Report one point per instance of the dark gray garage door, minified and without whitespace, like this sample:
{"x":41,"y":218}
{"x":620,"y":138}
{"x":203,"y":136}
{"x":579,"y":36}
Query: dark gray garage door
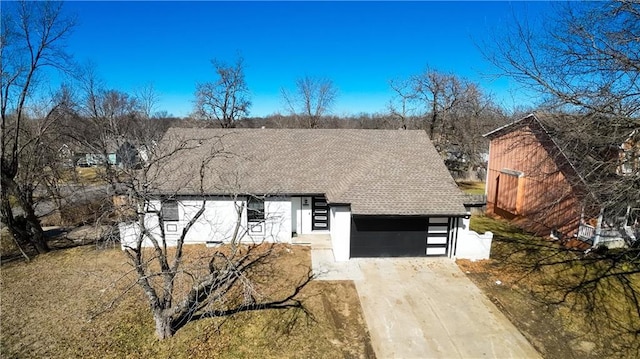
{"x":387,"y":236}
{"x":381,"y":236}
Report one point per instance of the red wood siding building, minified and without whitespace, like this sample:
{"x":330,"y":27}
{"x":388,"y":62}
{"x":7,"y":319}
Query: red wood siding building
{"x":530,"y":181}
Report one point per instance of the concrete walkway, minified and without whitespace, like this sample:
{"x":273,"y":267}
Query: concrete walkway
{"x":425,"y":308}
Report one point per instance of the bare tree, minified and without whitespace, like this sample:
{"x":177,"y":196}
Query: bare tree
{"x":111,"y":124}
{"x":147,"y":99}
{"x":31,"y":41}
{"x":439,"y":93}
{"x":455,"y":113}
{"x":181,"y":289}
{"x":582,"y":61}
{"x":226,"y":100}
{"x":401,"y":107}
{"x":311,"y":100}
{"x":582,"y":57}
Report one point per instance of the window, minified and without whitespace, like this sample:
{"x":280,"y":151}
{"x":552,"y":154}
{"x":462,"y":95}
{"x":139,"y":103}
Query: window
{"x":255,"y":209}
{"x":170,"y":211}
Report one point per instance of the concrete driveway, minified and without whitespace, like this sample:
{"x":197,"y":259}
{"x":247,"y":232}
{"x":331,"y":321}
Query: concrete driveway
{"x":426,"y":308}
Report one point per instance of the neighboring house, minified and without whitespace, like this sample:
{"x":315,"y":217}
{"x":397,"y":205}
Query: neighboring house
{"x":66,"y":155}
{"x":376,"y":193}
{"x":629,"y":155}
{"x":550,"y":182}
{"x":122,"y":153}
{"x":129,"y":154}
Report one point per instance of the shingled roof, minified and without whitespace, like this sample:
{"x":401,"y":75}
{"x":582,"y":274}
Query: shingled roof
{"x":390,"y":172}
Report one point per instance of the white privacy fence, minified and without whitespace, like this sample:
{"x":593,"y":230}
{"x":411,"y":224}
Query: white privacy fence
{"x":474,"y":246}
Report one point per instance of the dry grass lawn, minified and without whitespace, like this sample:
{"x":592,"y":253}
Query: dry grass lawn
{"x":545,"y":290}
{"x":87,"y":175}
{"x":48,"y":308}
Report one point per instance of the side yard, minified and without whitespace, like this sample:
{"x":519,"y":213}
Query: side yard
{"x":49,"y":309}
{"x":471,"y":187}
{"x":567,"y":303}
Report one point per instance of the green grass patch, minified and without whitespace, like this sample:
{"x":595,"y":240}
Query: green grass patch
{"x":471,"y":187}
{"x":568,"y":303}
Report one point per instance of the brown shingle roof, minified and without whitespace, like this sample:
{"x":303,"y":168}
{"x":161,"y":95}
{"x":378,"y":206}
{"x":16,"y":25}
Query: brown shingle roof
{"x":389,"y":172}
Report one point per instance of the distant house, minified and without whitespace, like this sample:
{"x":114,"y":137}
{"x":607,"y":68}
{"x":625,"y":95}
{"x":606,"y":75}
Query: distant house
{"x":121,"y":152}
{"x":129,"y":154}
{"x":375,"y":193}
{"x":66,"y":155}
{"x":551,"y":182}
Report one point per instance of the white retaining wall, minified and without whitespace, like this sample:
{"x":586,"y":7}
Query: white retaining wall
{"x":472,"y":245}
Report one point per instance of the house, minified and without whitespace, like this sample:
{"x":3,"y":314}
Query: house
{"x":65,"y":154}
{"x":555,"y":182}
{"x":375,"y":193}
{"x":126,"y":153}
{"x":116,"y":152}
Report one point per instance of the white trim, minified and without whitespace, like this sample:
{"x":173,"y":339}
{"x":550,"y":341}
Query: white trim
{"x":511,"y":172}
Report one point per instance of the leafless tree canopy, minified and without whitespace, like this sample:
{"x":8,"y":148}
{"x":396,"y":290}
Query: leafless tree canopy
{"x":179,"y":288}
{"x":32,"y":40}
{"x":226,"y":100}
{"x":583,"y":60}
{"x":583,"y":57}
{"x":311,"y":100}
{"x":454,"y":111}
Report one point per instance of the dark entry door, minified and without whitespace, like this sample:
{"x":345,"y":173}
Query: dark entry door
{"x":319,"y":213}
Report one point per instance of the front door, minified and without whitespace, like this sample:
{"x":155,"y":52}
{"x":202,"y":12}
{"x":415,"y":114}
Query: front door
{"x":319,"y":214}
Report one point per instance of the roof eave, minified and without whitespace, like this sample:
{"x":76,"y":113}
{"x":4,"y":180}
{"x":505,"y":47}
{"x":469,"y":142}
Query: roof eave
{"x":508,"y":127}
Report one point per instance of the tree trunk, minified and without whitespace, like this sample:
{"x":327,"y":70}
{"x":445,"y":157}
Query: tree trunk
{"x":164,"y":329}
{"x":34,"y":229}
{"x":27,"y":230}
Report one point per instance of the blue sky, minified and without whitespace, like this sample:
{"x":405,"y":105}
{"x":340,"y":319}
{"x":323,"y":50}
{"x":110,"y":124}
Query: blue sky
{"x":359,"y":45}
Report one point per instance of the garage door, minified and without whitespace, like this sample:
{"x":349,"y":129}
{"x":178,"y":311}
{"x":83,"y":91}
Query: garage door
{"x":378,"y":236}
{"x":386,"y":236}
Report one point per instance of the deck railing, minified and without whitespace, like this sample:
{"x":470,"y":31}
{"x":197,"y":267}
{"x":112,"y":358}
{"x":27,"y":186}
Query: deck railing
{"x":607,"y":235}
{"x":586,"y":232}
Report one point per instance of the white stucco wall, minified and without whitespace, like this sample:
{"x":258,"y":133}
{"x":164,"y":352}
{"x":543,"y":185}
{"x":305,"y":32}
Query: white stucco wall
{"x":340,"y":232}
{"x":129,"y":234}
{"x":278,"y":219}
{"x":218,"y":222}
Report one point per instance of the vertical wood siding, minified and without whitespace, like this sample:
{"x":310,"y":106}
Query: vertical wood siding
{"x":542,"y":199}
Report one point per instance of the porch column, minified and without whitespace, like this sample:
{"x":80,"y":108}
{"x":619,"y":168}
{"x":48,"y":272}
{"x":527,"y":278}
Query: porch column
{"x":598,"y":228}
{"x":341,"y":232}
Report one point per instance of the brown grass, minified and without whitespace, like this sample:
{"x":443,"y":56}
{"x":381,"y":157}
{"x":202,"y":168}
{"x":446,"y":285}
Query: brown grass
{"x":48,"y":308}
{"x":536,"y":276}
{"x":85,"y":175}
